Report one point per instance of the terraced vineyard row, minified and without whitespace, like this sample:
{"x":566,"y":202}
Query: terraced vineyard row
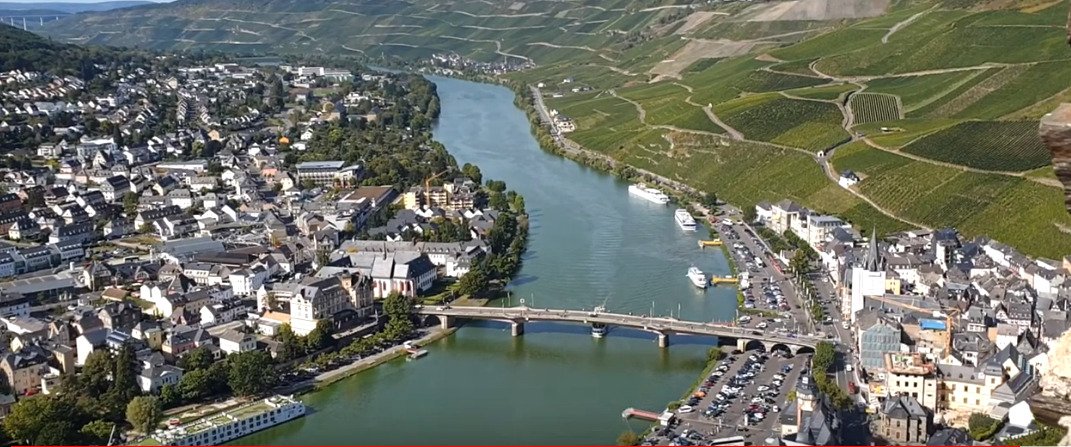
{"x":977,"y":204}
{"x":708,"y":163}
{"x":871,"y":107}
{"x":809,"y":125}
{"x":989,"y":145}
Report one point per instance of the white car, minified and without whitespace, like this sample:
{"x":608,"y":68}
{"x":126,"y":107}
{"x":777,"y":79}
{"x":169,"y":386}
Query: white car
{"x":685,"y":409}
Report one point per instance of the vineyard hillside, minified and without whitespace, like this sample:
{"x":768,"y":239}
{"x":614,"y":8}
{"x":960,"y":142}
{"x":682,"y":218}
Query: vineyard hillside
{"x":752,"y":100}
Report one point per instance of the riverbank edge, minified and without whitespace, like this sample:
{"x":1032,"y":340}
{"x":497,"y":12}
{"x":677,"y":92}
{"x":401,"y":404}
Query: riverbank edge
{"x":394,"y":352}
{"x":680,"y":192}
{"x":379,"y":359}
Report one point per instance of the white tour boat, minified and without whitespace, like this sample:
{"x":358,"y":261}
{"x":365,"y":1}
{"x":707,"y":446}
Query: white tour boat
{"x":684,"y":219}
{"x":699,"y":279}
{"x":651,"y":194}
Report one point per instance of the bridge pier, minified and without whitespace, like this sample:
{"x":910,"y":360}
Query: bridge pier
{"x":517,"y":328}
{"x":663,"y":340}
{"x":741,"y":344}
{"x":446,"y":322}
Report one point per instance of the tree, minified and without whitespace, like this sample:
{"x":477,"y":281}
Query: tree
{"x":197,"y":358}
{"x":498,"y":201}
{"x":250,"y":373}
{"x":47,"y":420}
{"x":170,"y":395}
{"x":981,"y":426}
{"x":143,"y":412}
{"x":397,"y":305}
{"x":97,"y":372}
{"x":271,"y":301}
{"x":130,"y":203}
{"x":628,"y":437}
{"x":193,"y":385}
{"x":398,"y":328}
{"x":800,"y":263}
{"x":472,"y":172}
{"x":97,"y":432}
{"x":473,"y":282}
{"x":124,"y":383}
{"x":323,"y":257}
{"x":750,"y":215}
{"x":319,"y":337}
{"x":710,"y":200}
{"x":823,"y":358}
{"x":290,"y":344}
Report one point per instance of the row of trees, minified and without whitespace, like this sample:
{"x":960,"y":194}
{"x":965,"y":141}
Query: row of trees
{"x":293,"y":346}
{"x":399,"y":312}
{"x":106,"y":395}
{"x":822,"y":363}
{"x":89,"y":405}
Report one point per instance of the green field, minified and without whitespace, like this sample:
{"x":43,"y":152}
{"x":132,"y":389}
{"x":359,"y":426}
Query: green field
{"x":947,"y":39}
{"x":989,"y":145}
{"x":802,"y":67}
{"x":1035,"y":84}
{"x":714,"y":165}
{"x":874,"y":107}
{"x":919,"y":91}
{"x":764,"y":81}
{"x":823,"y":92}
{"x":903,"y":132}
{"x":809,"y":125}
{"x":665,"y":104}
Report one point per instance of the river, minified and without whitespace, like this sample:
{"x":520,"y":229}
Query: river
{"x":590,"y":244}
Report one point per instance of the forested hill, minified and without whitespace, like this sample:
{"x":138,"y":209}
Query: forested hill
{"x":22,"y":50}
{"x":933,"y":105}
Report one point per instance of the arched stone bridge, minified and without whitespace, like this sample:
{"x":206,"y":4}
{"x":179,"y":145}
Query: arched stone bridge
{"x":663,"y":327}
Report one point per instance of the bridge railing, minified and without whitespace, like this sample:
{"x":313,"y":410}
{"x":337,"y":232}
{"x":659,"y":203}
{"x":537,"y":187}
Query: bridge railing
{"x":654,"y":323}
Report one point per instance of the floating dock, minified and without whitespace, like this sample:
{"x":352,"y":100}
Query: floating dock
{"x":640,"y":414}
{"x":723,"y":280}
{"x":711,"y":243}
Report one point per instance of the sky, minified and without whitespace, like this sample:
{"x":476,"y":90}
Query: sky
{"x":68,"y":1}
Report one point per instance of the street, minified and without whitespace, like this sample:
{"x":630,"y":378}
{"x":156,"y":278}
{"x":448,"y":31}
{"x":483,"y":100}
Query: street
{"x":768,"y":281}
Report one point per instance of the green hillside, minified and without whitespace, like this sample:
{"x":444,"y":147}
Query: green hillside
{"x":934,"y":103}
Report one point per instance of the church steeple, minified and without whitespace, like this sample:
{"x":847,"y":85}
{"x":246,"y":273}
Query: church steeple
{"x":873,"y":256}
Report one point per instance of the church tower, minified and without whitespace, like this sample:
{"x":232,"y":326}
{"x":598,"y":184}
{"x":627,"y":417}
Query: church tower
{"x":868,"y":278}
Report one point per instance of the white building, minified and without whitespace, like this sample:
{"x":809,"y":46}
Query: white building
{"x":234,"y":342}
{"x":867,"y":280}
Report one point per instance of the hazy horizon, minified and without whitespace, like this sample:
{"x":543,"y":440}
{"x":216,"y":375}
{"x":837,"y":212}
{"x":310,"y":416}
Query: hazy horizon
{"x":73,"y":1}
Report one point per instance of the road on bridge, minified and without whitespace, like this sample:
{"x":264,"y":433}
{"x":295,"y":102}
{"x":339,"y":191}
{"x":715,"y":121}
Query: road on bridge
{"x":643,"y":322}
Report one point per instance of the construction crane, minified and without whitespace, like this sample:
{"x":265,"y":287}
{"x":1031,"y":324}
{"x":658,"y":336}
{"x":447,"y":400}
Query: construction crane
{"x":427,"y":186}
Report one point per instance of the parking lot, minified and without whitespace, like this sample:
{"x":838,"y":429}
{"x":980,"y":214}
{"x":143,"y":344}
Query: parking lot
{"x":744,"y":395}
{"x":769,"y":290}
